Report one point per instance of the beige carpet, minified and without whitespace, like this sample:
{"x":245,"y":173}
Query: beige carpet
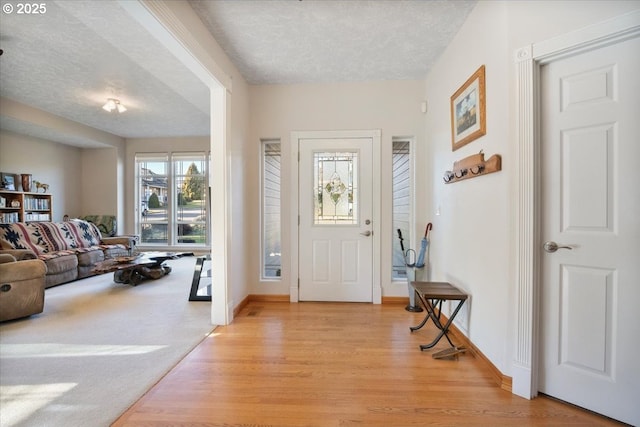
{"x":97,"y":348}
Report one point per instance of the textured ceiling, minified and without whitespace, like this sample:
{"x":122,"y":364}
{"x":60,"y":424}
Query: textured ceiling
{"x":283,"y":42}
{"x":69,"y":60}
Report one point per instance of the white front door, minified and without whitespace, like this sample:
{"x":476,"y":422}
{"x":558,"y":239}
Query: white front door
{"x":590,"y":324}
{"x":336,"y":215}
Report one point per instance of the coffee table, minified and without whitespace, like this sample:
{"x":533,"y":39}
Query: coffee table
{"x":134,"y":269}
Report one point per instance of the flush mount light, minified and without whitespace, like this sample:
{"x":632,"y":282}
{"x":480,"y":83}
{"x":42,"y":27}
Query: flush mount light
{"x":114,"y":104}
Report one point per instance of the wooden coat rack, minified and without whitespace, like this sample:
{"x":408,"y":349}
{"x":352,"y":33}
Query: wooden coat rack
{"x":472,"y":167}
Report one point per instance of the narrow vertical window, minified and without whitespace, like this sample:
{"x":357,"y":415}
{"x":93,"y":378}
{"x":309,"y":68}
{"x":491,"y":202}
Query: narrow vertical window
{"x":190,"y":201}
{"x":401,"y":203}
{"x":152,"y":178}
{"x":271,"y":256}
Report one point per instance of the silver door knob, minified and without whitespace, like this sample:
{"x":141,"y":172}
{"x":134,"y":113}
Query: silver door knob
{"x":551,"y":246}
{"x":366,"y":233}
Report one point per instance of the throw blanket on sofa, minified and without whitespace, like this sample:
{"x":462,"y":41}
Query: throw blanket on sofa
{"x":47,"y":237}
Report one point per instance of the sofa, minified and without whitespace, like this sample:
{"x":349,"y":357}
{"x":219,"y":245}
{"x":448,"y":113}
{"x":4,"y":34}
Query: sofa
{"x":21,"y":287}
{"x":69,"y":249}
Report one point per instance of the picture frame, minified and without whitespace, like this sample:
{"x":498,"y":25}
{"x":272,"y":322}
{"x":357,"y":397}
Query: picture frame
{"x":7,"y":181}
{"x":468,"y":111}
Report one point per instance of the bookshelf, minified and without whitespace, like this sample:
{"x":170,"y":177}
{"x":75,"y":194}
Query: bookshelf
{"x":20,"y":206}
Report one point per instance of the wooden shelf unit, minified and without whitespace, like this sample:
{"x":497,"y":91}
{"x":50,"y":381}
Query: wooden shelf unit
{"x":30,"y":207}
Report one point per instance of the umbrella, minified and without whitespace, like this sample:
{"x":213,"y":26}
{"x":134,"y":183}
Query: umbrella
{"x":406,"y":255}
{"x":423,"y":247}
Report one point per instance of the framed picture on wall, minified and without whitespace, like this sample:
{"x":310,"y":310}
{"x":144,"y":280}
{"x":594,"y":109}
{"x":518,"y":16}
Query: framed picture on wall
{"x":468,"y":121}
{"x":7,"y":181}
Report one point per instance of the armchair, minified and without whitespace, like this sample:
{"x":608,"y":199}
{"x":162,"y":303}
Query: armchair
{"x":21,"y":287}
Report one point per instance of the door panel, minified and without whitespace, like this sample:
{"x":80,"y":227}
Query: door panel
{"x":350,"y":254}
{"x":335,"y":206}
{"x":584,"y":344}
{"x":320,"y":255}
{"x":587,"y":155}
{"x":590,"y":323}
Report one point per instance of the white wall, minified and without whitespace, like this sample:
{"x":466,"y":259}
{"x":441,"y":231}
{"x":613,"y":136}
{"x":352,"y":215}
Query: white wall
{"x":276,"y":111}
{"x":472,"y":242}
{"x":55,"y":164}
{"x":239,"y":149}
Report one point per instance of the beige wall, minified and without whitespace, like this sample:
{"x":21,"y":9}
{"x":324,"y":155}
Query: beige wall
{"x":55,"y":164}
{"x":99,"y":183}
{"x":83,"y":181}
{"x":276,"y":111}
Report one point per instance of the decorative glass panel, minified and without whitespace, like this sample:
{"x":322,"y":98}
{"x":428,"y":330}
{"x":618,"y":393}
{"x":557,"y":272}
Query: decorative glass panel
{"x":335,"y":179}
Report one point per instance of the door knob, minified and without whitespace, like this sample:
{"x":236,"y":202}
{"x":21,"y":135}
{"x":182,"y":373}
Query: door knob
{"x":551,"y":246}
{"x":366,"y":233}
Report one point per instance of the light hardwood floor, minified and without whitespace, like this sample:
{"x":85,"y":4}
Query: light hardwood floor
{"x":335,"y":364}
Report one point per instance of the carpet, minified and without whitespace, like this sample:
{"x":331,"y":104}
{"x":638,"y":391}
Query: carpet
{"x":97,"y":348}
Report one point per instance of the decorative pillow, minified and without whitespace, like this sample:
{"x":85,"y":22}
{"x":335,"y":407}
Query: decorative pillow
{"x":106,"y":223}
{"x":86,"y":233}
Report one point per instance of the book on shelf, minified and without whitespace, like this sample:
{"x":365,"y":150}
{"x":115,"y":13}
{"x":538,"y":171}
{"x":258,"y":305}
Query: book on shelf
{"x":9,"y":217}
{"x":36,"y":204}
{"x":37,"y":217}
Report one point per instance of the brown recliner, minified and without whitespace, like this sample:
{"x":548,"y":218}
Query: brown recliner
{"x":21,"y":287}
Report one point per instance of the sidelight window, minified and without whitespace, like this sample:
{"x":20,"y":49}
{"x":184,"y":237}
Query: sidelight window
{"x":271,"y":225}
{"x":402,"y":191}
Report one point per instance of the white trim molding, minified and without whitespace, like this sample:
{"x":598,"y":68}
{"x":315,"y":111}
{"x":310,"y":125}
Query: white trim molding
{"x":529,"y":60}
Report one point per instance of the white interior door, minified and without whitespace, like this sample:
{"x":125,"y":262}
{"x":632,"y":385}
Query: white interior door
{"x":591,"y":202}
{"x":336,"y":215}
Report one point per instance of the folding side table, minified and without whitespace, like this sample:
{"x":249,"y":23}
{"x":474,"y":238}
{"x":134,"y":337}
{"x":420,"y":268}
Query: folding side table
{"x":431,"y":295}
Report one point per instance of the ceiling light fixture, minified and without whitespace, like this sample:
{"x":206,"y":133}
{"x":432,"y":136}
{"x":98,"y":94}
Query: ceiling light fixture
{"x":114,"y":104}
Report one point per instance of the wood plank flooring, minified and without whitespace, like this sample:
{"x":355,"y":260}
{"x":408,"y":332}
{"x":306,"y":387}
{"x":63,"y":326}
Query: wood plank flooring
{"x":335,"y":364}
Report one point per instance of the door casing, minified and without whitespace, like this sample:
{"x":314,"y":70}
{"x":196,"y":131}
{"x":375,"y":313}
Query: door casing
{"x":529,"y":60}
{"x":375,"y":136}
